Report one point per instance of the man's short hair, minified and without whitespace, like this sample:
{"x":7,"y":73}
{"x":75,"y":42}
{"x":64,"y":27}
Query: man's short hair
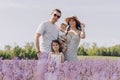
{"x":58,"y":10}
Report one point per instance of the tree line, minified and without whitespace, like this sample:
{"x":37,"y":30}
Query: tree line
{"x":94,"y":50}
{"x":28,"y":51}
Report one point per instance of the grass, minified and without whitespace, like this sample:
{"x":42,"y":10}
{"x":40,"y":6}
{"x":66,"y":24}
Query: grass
{"x":98,"y":57}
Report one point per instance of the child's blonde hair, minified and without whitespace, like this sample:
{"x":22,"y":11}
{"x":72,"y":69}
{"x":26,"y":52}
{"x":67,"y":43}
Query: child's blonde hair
{"x":64,"y":24}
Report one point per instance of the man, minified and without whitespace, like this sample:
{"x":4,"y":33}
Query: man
{"x":47,"y":31}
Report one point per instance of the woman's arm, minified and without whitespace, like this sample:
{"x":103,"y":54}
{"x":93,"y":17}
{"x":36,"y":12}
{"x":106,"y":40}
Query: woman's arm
{"x":62,"y":58}
{"x":82,"y":32}
{"x":49,"y":56}
{"x":68,"y":37}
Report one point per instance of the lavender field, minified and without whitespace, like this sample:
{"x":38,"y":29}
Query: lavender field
{"x":84,"y":69}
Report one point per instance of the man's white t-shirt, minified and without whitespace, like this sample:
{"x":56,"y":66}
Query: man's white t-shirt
{"x":48,"y":33}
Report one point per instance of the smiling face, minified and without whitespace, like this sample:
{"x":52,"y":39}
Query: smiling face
{"x":63,"y":27}
{"x":72,"y":22}
{"x":55,"y":16}
{"x":55,"y":46}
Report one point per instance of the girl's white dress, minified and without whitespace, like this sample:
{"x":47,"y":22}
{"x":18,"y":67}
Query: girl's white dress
{"x":53,"y":66}
{"x":56,"y":58}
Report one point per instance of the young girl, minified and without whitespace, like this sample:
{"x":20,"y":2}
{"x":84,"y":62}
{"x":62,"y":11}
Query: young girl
{"x":56,"y":53}
{"x":55,"y":57}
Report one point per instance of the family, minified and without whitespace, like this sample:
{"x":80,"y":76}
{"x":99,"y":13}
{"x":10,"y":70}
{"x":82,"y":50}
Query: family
{"x":59,"y":43}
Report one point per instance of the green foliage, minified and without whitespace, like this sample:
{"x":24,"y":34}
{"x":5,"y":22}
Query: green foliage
{"x":81,"y":51}
{"x":102,"y":51}
{"x":29,"y":52}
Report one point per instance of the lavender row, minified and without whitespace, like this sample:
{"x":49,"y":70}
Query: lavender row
{"x":86,"y":69}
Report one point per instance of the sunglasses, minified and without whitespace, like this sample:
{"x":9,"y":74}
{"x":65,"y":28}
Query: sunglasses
{"x":57,"y":15}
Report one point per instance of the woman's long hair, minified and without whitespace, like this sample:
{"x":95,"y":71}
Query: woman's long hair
{"x":78,"y":26}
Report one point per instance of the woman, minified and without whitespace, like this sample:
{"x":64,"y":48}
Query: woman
{"x":75,"y":33}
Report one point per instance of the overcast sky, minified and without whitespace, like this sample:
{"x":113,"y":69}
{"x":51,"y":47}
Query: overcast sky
{"x":19,"y":19}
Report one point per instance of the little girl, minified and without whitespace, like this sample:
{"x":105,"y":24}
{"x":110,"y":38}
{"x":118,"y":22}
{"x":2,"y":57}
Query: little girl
{"x":56,"y":53}
{"x":55,"y":58}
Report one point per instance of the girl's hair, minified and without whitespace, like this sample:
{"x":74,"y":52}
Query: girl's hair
{"x":56,"y":41}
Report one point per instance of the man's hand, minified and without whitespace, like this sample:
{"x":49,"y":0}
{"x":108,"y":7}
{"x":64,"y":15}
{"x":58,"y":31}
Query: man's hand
{"x":39,"y":54}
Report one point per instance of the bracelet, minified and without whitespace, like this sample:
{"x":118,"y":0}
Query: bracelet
{"x":38,"y":52}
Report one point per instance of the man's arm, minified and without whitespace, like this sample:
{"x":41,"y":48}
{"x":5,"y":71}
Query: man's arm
{"x":36,"y":43}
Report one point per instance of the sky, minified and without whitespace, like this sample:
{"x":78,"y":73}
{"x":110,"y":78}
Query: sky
{"x":19,"y":19}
